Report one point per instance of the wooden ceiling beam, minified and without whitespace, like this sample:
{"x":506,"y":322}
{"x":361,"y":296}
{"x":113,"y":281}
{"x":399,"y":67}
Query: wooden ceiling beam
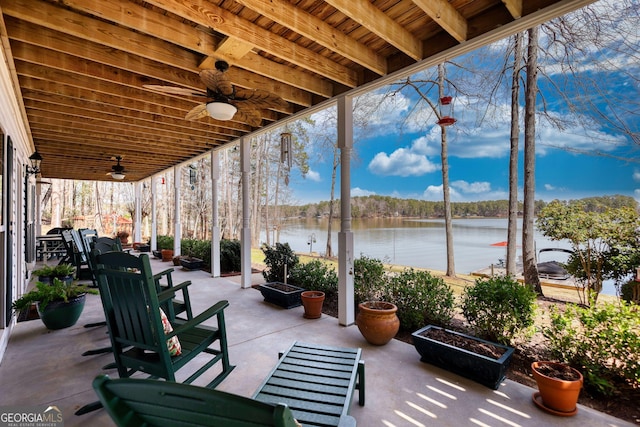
{"x":229,"y":24}
{"x":372,"y":18}
{"x":307,"y":25}
{"x":99,"y":115}
{"x":37,"y":44}
{"x":87,"y":109}
{"x":442,"y":12}
{"x":514,"y":7}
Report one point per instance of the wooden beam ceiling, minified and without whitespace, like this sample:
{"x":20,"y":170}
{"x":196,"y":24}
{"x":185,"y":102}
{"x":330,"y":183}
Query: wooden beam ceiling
{"x":81,"y":66}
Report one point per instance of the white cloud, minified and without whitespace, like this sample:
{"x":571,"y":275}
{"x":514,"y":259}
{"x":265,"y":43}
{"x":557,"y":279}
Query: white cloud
{"x":636,"y":175}
{"x":313,"y":176}
{"x":463,"y":191}
{"x":471,"y":187}
{"x":411,"y":161}
{"x":357,"y":191}
{"x":549,"y":187}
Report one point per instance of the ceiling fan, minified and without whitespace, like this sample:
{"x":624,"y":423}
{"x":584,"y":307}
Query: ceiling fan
{"x":117,"y":170}
{"x":224,"y":100}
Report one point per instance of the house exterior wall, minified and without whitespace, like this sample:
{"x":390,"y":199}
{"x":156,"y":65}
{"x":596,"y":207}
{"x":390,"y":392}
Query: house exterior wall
{"x":14,"y":271}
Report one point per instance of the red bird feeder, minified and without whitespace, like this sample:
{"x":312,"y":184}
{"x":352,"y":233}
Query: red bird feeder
{"x":445,"y":112}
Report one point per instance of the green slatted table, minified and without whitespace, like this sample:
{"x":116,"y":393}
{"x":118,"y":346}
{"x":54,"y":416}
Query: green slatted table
{"x":317,"y":382}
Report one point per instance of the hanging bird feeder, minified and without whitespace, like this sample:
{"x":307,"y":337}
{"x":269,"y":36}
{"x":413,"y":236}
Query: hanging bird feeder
{"x":446,"y":108}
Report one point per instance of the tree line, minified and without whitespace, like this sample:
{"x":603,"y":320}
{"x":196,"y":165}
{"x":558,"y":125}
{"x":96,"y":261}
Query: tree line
{"x":385,"y":206}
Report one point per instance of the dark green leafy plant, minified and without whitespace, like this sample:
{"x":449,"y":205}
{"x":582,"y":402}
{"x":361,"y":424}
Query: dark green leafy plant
{"x":626,"y":290}
{"x":421,"y":299}
{"x":499,"y":308}
{"x":369,"y":279}
{"x":315,"y":276}
{"x":164,"y":242}
{"x":276,"y":257}
{"x":230,"y":255}
{"x":603,"y":342}
{"x":61,"y":270}
{"x":45,"y":293}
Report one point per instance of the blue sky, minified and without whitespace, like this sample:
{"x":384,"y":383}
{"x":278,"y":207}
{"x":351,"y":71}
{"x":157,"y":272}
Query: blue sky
{"x":399,"y":153}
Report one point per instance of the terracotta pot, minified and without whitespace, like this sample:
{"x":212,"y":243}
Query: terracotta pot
{"x":556,"y":396}
{"x":167,"y":254}
{"x":377,"y":321}
{"x":312,"y":302}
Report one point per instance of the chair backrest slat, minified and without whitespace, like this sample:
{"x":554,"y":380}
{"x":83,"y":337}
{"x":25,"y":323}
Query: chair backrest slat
{"x":131,"y":290}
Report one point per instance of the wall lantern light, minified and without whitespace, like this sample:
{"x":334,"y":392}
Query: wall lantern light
{"x":36,"y":160}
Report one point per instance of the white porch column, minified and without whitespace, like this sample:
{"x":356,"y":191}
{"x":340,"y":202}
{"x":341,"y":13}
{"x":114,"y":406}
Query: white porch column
{"x":137,"y":233}
{"x":177,"y":231}
{"x":215,"y":228}
{"x":38,"y":218}
{"x":346,"y":310}
{"x":154,"y":215}
{"x":245,"y":231}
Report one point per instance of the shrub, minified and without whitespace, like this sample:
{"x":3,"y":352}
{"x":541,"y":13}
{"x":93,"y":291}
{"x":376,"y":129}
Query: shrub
{"x":499,"y":308}
{"x":369,"y":279}
{"x":603,"y":342}
{"x":276,"y":257}
{"x":164,"y":242}
{"x":421,"y":299}
{"x":230,"y":255}
{"x":315,"y":276}
{"x":626,"y":290}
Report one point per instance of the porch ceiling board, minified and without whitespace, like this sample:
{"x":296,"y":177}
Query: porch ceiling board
{"x":81,"y":65}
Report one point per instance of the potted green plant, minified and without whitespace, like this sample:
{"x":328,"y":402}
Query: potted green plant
{"x":47,"y":273}
{"x":59,"y":303}
{"x":280,"y":260}
{"x":377,"y":320}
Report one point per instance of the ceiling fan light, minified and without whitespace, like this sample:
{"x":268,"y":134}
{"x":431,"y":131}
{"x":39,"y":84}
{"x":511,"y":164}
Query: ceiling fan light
{"x":221,"y":110}
{"x":117,"y":175}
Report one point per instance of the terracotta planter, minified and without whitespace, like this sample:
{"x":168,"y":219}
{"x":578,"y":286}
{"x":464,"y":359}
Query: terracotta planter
{"x":167,"y":254}
{"x":377,"y":321}
{"x":556,"y":396}
{"x":312,"y":302}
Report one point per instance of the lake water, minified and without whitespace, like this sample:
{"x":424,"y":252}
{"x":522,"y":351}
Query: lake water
{"x":418,"y":242}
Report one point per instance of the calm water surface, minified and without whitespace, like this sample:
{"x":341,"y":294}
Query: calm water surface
{"x":417,"y":242}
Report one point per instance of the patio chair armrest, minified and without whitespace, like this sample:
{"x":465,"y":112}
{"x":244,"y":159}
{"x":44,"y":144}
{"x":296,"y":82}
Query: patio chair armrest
{"x":166,"y":272}
{"x":170,"y":293}
{"x":214,"y":310}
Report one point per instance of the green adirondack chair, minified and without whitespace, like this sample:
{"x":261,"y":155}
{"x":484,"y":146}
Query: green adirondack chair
{"x":128,"y":290}
{"x":140,"y":402}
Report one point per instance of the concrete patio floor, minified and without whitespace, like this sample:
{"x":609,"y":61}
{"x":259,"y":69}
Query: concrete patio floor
{"x":42,"y":367}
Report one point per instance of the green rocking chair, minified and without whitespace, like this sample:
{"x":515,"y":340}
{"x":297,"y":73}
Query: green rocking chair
{"x":142,"y":337}
{"x":141,"y":402}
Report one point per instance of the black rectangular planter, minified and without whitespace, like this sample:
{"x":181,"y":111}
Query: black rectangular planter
{"x":284,"y":295}
{"x":482,"y":369}
{"x":191,"y":263}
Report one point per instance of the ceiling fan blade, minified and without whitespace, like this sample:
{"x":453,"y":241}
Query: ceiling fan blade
{"x":172,"y":90}
{"x":217,"y":81}
{"x":197,"y":112}
{"x":257,"y":98}
{"x":246,"y":115}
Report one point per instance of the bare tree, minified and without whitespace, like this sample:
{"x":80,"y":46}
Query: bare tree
{"x":530,"y":267}
{"x":512,"y":227}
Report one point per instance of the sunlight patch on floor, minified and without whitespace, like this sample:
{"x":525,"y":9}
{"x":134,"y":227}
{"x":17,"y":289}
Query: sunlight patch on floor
{"x":498,"y":417}
{"x":508,"y":408}
{"x":431,"y":400}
